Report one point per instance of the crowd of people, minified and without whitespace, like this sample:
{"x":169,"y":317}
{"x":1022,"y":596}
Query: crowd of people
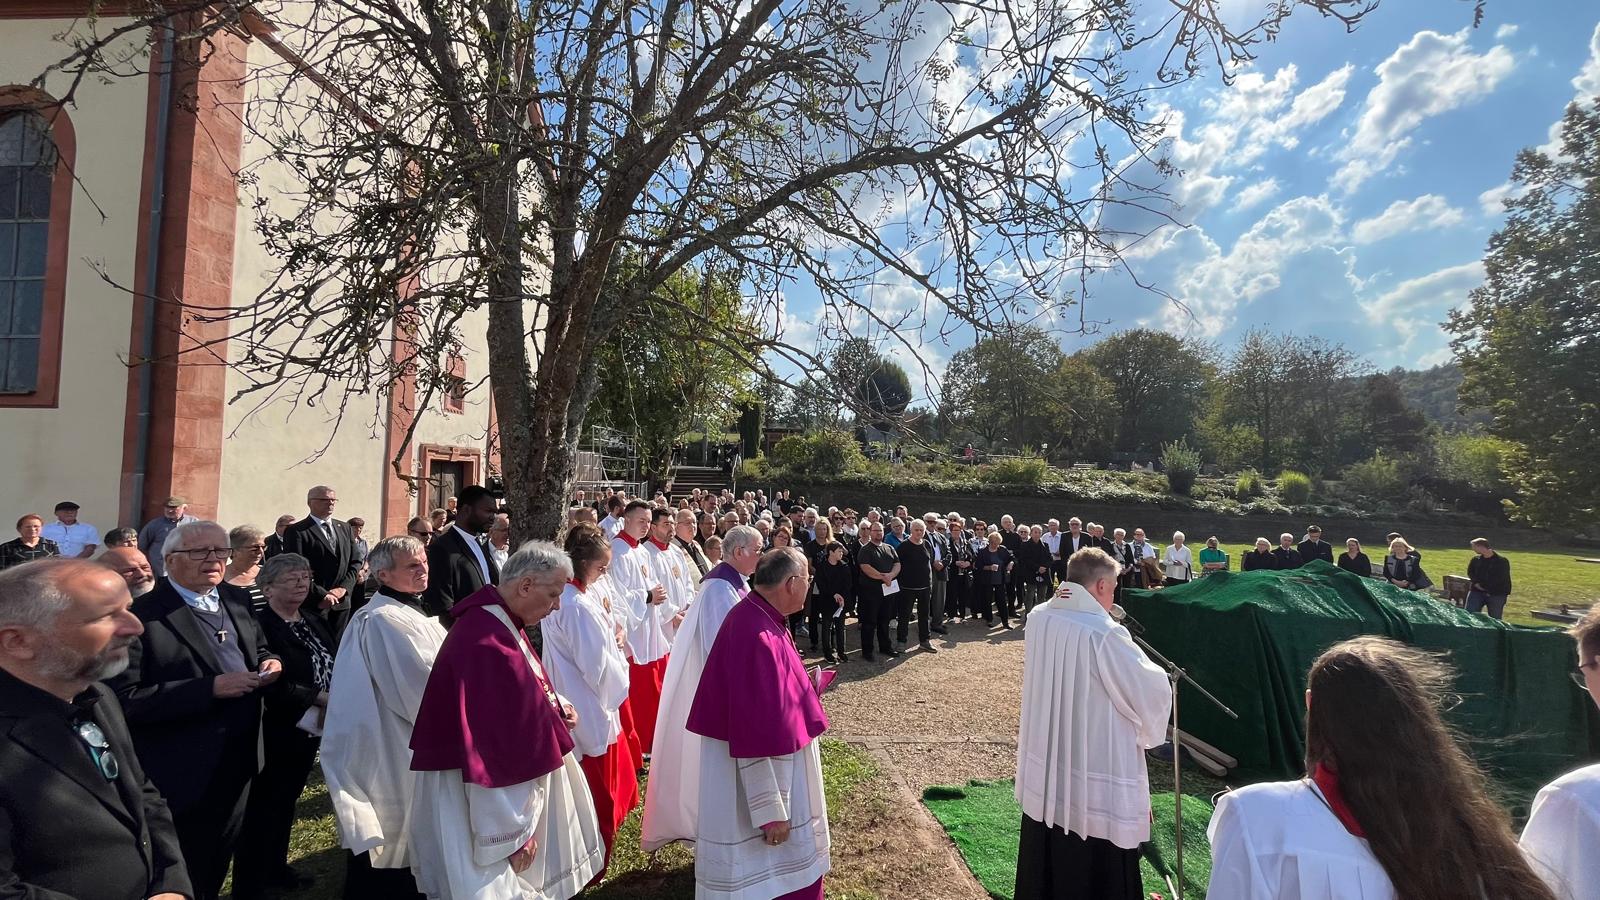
{"x":483,"y":713}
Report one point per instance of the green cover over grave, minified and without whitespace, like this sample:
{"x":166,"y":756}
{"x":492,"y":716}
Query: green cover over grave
{"x":1250,"y":638}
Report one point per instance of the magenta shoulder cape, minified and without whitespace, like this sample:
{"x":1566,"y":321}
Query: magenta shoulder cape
{"x":484,"y":711}
{"x":724,"y":572}
{"x":754,"y":692}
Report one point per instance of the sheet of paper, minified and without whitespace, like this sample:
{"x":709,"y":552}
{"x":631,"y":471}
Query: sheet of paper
{"x":892,"y":587}
{"x":311,"y":722}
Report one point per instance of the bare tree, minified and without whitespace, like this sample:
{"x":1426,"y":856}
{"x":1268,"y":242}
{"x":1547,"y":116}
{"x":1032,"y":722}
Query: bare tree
{"x":499,"y":155}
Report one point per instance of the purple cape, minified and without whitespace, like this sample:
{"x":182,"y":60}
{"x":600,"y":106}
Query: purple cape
{"x":484,"y":711}
{"x":724,"y":572}
{"x":754,"y":692}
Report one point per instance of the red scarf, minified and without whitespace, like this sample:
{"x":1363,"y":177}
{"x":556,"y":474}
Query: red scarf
{"x":659,"y":544}
{"x":628,"y":538}
{"x":1327,"y":781}
{"x":577,"y":584}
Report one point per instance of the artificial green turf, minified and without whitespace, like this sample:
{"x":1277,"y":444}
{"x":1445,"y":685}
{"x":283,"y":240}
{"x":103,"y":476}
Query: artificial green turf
{"x":984,"y":820}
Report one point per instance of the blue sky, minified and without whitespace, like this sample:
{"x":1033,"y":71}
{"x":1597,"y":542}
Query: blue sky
{"x":1343,"y":185}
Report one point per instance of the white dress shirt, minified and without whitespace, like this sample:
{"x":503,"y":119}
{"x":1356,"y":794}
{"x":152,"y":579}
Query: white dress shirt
{"x":71,"y":539}
{"x":477,"y":552}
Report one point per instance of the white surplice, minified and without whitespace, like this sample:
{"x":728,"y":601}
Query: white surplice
{"x":379,"y":674}
{"x":586,"y":666}
{"x":649,"y":633}
{"x":737,"y":796}
{"x":1562,"y":838}
{"x":1092,"y":703}
{"x":672,"y":794}
{"x":464,"y":834}
{"x":677,"y":573}
{"x":1281,"y":841}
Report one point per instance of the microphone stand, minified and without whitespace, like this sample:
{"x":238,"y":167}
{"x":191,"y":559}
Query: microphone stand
{"x":1176,"y":674}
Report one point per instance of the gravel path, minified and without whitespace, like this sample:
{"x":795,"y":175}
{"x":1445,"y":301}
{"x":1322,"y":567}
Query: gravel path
{"x":927,"y":719}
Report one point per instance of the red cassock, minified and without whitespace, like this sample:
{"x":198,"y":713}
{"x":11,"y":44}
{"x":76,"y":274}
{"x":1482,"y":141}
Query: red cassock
{"x":630,"y":735}
{"x":614,"y":784}
{"x":644,"y":694}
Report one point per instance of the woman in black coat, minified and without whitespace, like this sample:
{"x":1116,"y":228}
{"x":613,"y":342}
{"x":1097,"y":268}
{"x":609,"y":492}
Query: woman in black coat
{"x":1259,"y":558}
{"x":991,"y":565}
{"x":1403,"y":567}
{"x":1352,"y":560}
{"x":291,"y":725}
{"x":835,"y":583}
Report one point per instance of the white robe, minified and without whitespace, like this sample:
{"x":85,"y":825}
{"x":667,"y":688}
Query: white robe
{"x":672,"y":793}
{"x":464,"y":834}
{"x":675,"y":571}
{"x":737,"y":797}
{"x":1280,"y":841}
{"x":649,"y":634}
{"x":1092,"y":703}
{"x":1562,"y":838}
{"x":378,"y":678}
{"x":586,"y":666}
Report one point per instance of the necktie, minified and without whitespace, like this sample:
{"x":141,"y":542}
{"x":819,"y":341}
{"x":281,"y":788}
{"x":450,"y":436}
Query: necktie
{"x":327,"y":529}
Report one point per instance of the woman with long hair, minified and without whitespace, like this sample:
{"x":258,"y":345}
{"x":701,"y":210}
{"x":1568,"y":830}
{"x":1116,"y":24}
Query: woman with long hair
{"x":1392,"y":807}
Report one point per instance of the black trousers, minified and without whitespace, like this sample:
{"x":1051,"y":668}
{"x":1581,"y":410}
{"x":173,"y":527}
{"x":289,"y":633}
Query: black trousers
{"x":209,"y":830}
{"x":269,"y":814}
{"x":1053,"y":864}
{"x":827,"y":627}
{"x":363,"y":882}
{"x":987,"y":600}
{"x":875,"y":615}
{"x":920,"y":598}
{"x":956,"y":596}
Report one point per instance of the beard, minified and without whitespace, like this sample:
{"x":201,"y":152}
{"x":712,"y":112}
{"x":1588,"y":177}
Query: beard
{"x":142,"y":588}
{"x":67,"y":665}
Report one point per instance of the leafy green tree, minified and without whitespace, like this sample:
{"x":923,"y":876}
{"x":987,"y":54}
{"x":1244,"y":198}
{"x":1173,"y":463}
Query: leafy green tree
{"x":657,"y":380}
{"x":1528,"y":341}
{"x":1160,"y":383}
{"x":875,"y":387}
{"x":1003,"y":388}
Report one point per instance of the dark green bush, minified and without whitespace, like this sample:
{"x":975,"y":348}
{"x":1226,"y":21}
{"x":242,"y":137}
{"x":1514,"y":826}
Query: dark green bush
{"x":1294,"y":487}
{"x":1181,"y":464}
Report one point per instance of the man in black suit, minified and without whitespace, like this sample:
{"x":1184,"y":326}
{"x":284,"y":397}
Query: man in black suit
{"x":330,"y":547}
{"x":459,"y":562}
{"x":1314,"y":547}
{"x":78,"y":817}
{"x":1285,"y":556}
{"x":191,"y":693}
{"x":275,"y":539}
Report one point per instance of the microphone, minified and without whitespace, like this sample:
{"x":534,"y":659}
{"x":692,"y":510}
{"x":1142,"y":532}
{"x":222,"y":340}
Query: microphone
{"x":1121,"y":615}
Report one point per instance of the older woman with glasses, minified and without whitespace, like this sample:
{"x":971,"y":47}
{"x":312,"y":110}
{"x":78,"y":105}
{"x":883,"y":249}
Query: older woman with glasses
{"x":249,"y":545}
{"x":291,"y":726}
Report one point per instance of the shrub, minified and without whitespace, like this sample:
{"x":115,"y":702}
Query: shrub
{"x":1248,"y":487}
{"x":1475,"y":459}
{"x":1016,"y":470}
{"x":1181,"y":463}
{"x":754,"y":469}
{"x":1294,"y":487}
{"x":1378,"y":477}
{"x":822,"y":453}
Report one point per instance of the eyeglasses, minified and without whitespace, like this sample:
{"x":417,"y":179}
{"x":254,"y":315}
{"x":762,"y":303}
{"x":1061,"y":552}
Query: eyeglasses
{"x":201,"y":554}
{"x":99,"y":749}
{"x":423,"y":536}
{"x":1578,"y":677}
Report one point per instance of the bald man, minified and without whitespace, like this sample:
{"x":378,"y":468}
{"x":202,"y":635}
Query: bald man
{"x":134,"y":568}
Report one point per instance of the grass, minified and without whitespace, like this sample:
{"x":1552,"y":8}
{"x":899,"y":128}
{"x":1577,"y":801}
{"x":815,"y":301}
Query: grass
{"x":857,"y":800}
{"x":1540,"y":577}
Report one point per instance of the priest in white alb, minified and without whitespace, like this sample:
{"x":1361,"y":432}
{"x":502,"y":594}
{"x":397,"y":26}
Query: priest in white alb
{"x":1092,"y":703}
{"x":649,"y":615}
{"x":762,"y":823}
{"x":383,"y":663}
{"x":672,"y":794}
{"x":502,"y":808}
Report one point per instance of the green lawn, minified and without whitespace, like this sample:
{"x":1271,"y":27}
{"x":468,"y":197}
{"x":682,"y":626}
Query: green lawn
{"x":857,"y":800}
{"x":1540,"y":577}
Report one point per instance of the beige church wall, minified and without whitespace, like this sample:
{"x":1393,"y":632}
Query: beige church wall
{"x":74,"y":451}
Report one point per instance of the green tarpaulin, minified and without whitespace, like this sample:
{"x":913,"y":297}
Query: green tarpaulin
{"x":1251,"y":637}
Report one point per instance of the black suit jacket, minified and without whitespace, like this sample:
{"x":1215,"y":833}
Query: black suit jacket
{"x":453,"y":572}
{"x":1286,"y":558}
{"x":1084,"y":540}
{"x":288,"y":698}
{"x":65,"y":831}
{"x":1310,"y":550}
{"x":332,"y":565}
{"x":188,"y":739}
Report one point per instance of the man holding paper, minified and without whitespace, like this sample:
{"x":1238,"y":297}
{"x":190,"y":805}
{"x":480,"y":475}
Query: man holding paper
{"x":880,"y":566}
{"x":762,"y":831}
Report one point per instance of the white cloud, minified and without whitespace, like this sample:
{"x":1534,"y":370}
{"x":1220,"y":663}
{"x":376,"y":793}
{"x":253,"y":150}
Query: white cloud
{"x":1426,"y":212}
{"x":1256,"y":193}
{"x":1505,"y":31}
{"x":1493,"y":200}
{"x":1414,"y":309}
{"x":1429,"y":75}
{"x":1585,"y":88}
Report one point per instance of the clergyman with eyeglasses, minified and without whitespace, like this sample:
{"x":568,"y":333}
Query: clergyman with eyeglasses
{"x":192,"y":695}
{"x":78,"y":817}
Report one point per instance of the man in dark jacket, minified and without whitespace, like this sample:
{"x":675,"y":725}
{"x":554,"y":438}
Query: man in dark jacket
{"x":1490,"y":574}
{"x":330,"y":546}
{"x":78,"y":817}
{"x":459,"y":562}
{"x":1285,"y":556}
{"x":1314,"y":547}
{"x":192,"y":695}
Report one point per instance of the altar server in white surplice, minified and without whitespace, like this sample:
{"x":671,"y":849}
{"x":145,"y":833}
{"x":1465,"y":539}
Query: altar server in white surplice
{"x":762,"y":830}
{"x":672,"y":793}
{"x":1392,"y":808}
{"x":650,"y":617}
{"x":502,"y":809}
{"x":1092,"y":703}
{"x":673,"y":569}
{"x":383,"y":663}
{"x":1563,"y":832}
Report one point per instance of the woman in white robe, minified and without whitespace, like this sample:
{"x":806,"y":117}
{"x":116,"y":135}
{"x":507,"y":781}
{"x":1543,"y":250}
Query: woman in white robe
{"x":1392,"y":807}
